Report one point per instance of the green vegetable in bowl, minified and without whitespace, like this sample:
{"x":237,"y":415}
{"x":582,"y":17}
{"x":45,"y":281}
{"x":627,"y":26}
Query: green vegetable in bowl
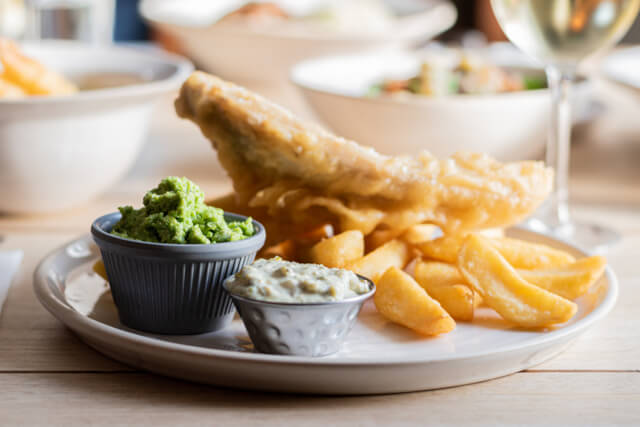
{"x":175,"y":212}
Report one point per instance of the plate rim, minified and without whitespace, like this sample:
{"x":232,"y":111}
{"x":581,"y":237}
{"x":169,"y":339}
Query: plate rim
{"x":78,"y":322}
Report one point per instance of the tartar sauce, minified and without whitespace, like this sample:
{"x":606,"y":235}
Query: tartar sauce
{"x":277,"y":280}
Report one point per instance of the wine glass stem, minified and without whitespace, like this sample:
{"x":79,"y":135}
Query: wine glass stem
{"x":558,"y":145}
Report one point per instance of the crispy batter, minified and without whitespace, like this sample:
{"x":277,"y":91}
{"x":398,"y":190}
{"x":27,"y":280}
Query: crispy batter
{"x":300,"y":173}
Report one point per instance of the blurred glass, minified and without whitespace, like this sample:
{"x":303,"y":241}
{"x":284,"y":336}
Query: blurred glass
{"x":85,"y":20}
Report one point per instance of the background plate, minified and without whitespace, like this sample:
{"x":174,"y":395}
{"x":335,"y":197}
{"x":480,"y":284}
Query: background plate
{"x":378,"y":357}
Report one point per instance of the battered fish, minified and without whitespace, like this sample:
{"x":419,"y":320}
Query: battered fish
{"x":297,"y":172}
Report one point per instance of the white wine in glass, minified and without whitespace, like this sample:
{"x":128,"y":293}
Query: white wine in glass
{"x":561,"y":33}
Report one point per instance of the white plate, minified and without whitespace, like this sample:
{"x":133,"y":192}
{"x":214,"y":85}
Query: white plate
{"x":622,"y":67}
{"x":378,"y":357}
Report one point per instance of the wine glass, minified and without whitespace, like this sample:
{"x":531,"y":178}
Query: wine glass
{"x":561,"y":33}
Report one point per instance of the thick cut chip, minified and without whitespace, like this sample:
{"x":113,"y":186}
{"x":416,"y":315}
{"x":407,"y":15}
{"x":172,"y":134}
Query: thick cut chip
{"x":392,"y":254}
{"x":400,"y":299}
{"x":570,"y":281}
{"x":519,"y":253}
{"x":443,"y":248}
{"x":528,"y":256}
{"x":505,"y":291}
{"x":445,"y":283}
{"x":420,"y":233}
{"x":338,"y":251}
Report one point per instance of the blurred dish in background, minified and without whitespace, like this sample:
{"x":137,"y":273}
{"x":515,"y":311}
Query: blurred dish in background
{"x":623,"y":67}
{"x":57,"y":152}
{"x":261,"y":46}
{"x":512,"y":125}
{"x":457,"y":72}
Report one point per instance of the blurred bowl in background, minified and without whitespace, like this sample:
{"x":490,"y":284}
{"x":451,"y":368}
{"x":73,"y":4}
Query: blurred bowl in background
{"x":256,"y":54}
{"x":57,"y":152}
{"x":508,"y":126}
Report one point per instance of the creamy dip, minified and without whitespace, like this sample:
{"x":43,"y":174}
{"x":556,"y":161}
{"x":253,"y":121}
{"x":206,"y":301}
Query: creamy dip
{"x":277,"y":280}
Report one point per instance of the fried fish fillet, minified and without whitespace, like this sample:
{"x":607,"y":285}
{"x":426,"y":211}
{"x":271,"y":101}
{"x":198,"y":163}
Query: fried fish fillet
{"x":297,"y":172}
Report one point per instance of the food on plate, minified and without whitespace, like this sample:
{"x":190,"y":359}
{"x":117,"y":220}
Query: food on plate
{"x":444,"y":248}
{"x":389,"y":213}
{"x":400,"y":299}
{"x":569,"y":281}
{"x":298,"y":173}
{"x":444,"y":283}
{"x":340,"y":250}
{"x":527,"y":255}
{"x":505,"y":291}
{"x":32,"y":77}
{"x":277,"y":280}
{"x":457,"y":72}
{"x":518,"y":253}
{"x":175,"y":212}
{"x":299,"y":245}
{"x":419,"y":233}
{"x":395,"y":253}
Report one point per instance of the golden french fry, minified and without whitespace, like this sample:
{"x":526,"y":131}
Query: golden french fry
{"x":419,"y":233}
{"x":392,"y":254}
{"x":570,"y":281}
{"x":400,"y":299}
{"x":9,"y":90}
{"x":313,"y":236}
{"x":99,"y":269}
{"x":505,"y":291}
{"x":443,"y":248}
{"x":33,"y":77}
{"x":439,"y":273}
{"x":339,"y":250}
{"x":377,"y":238}
{"x":445,"y":283}
{"x":529,"y":256}
{"x":285,"y":250}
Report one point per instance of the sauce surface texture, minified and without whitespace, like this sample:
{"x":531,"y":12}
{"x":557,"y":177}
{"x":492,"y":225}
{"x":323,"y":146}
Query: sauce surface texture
{"x":276,"y":280}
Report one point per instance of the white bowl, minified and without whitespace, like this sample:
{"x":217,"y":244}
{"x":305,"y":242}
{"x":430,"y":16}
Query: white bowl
{"x":257,"y":55}
{"x":60,"y":151}
{"x":508,"y":126}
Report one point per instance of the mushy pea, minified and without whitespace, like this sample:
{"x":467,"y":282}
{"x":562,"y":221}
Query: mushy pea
{"x":276,"y":280}
{"x":175,"y":212}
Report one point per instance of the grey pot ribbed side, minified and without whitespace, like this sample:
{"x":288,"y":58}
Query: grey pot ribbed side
{"x":171,"y":298}
{"x":172,"y":288}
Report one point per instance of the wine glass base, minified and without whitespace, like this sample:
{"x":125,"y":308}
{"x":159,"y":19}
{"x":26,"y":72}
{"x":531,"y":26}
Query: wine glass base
{"x":592,"y":238}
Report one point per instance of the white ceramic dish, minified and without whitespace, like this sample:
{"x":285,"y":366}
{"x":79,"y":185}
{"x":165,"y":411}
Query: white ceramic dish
{"x":57,"y":152}
{"x":377,"y":357}
{"x":509,"y":126}
{"x":256,"y":55}
{"x":623,"y":67}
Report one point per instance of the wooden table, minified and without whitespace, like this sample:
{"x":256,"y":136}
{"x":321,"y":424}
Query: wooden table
{"x":47,"y":376}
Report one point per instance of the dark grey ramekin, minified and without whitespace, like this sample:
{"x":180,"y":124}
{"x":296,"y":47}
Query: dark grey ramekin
{"x":172,"y":288}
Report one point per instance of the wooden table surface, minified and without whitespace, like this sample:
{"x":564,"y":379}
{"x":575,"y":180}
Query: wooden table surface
{"x":47,"y":376}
